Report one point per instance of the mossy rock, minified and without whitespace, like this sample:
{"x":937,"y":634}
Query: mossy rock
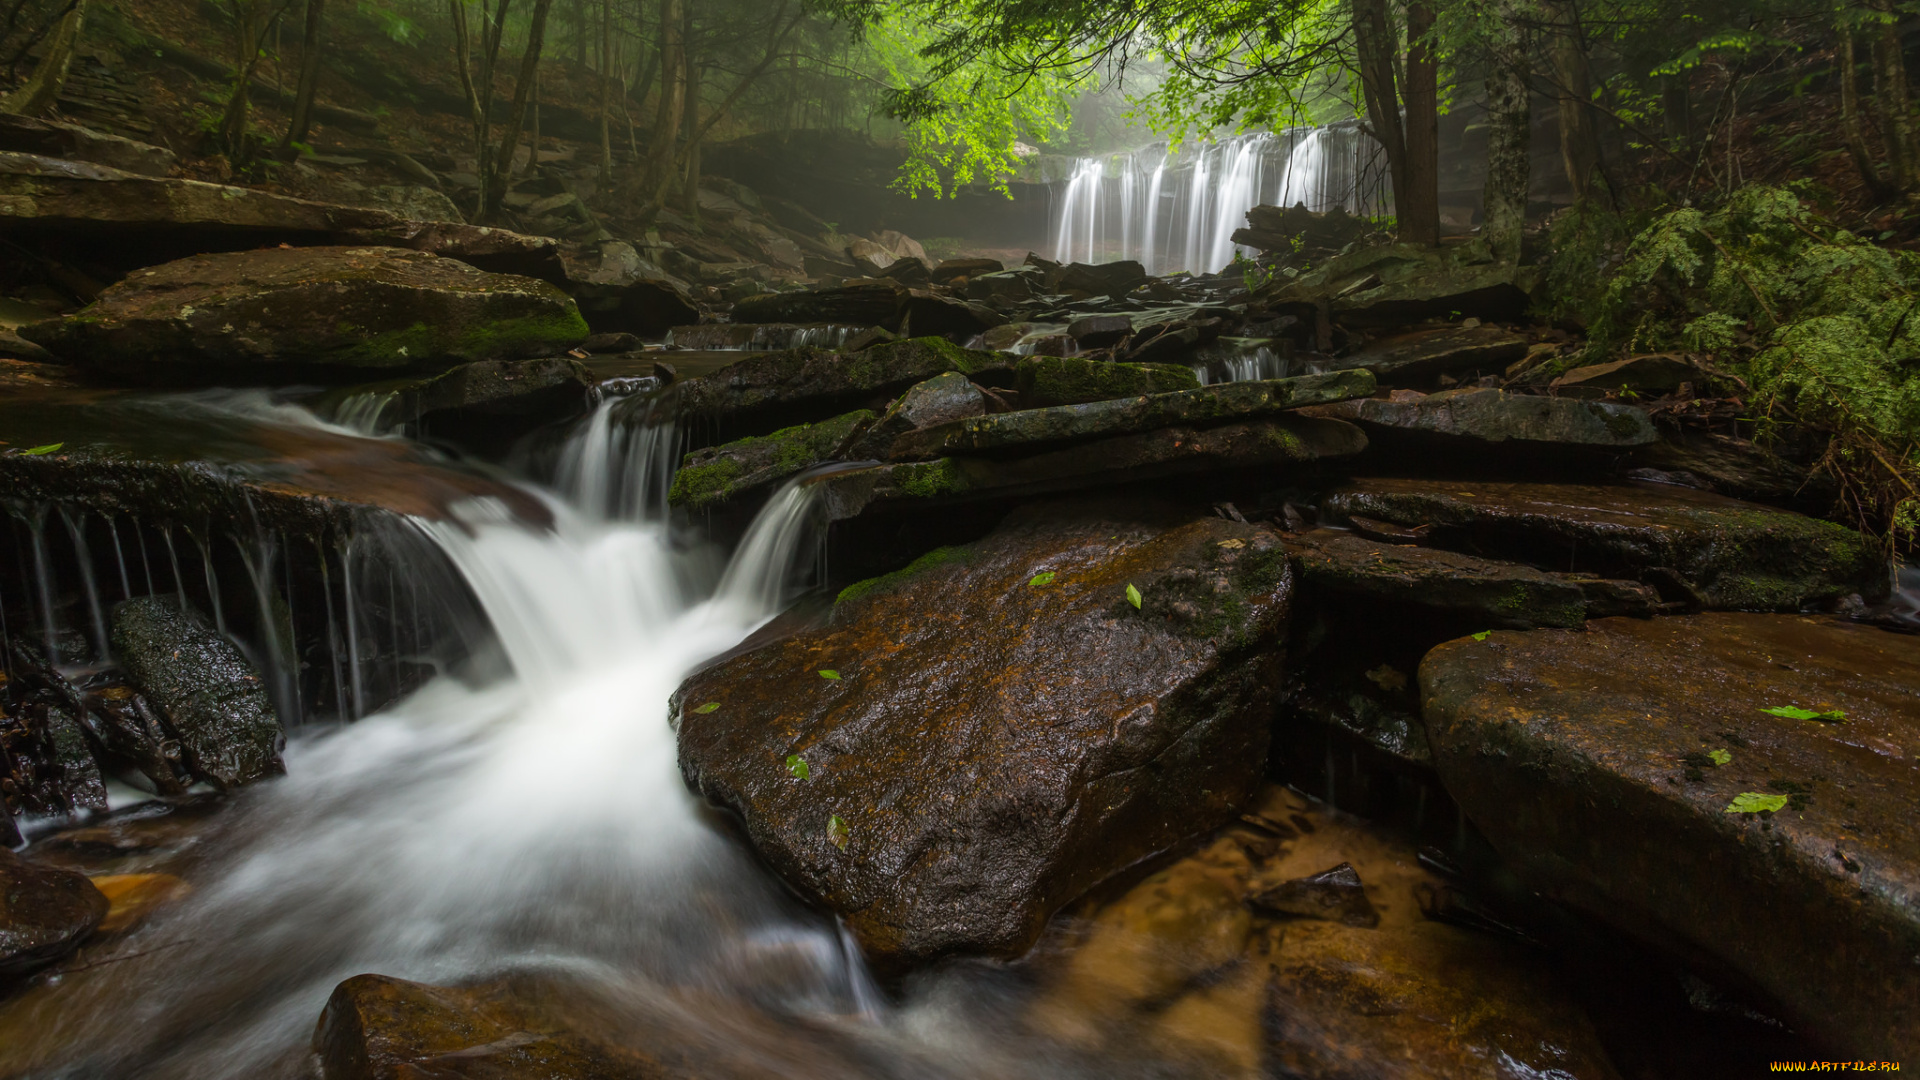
{"x":718,"y":474}
{"x":1073,"y":380}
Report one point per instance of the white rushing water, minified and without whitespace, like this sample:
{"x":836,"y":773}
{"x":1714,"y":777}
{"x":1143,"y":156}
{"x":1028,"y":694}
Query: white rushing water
{"x":1178,"y":211}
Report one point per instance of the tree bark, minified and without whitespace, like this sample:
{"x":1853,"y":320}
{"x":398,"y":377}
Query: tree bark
{"x":690,"y":147}
{"x":496,"y":192}
{"x":1504,"y":213}
{"x":302,"y":122}
{"x":42,"y":89}
{"x":1420,"y":213}
{"x":1894,"y":106}
{"x":667,"y":110}
{"x":1850,"y":125}
{"x":1374,"y":42}
{"x":251,"y":21}
{"x":1579,"y":133}
{"x":606,"y":94}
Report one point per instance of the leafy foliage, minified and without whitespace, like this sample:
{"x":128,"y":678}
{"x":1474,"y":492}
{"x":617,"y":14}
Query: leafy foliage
{"x":1753,"y":802}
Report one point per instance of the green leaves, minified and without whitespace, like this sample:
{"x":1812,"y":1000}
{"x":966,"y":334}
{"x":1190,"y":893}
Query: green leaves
{"x":1133,"y":597}
{"x":837,"y":831}
{"x":830,"y":674}
{"x":707,"y":708}
{"x":1719,"y":757}
{"x":1045,"y":577}
{"x":798,"y":767}
{"x":39,"y":450}
{"x":1794,"y":712}
{"x":1482,"y":635}
{"x":1752,"y":802}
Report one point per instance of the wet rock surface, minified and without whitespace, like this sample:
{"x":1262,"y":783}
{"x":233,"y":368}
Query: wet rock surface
{"x":805,"y":385}
{"x":1612,"y":766}
{"x":327,"y":313}
{"x":720,"y":474}
{"x":619,"y":292}
{"x":209,"y":694}
{"x":947,"y":783}
{"x":53,"y":139}
{"x":1495,"y":416}
{"x":1700,"y":547}
{"x":485,"y":404}
{"x":1070,"y":380}
{"x":44,"y":913}
{"x":1410,"y":359}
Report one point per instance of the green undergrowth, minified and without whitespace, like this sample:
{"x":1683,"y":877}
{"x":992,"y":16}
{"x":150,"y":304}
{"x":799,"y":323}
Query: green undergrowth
{"x":1820,"y":325}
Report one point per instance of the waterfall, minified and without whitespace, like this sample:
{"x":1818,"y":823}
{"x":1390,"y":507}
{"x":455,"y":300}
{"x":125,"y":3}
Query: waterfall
{"x":1178,"y":210}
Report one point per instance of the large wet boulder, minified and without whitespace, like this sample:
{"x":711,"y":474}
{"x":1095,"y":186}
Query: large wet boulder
{"x":621,"y":293}
{"x":719,"y":474}
{"x":285,"y":314}
{"x":764,"y":391}
{"x":484,"y":405}
{"x":1477,"y":416}
{"x":1071,"y":380}
{"x":1402,"y":284}
{"x":46,"y":765}
{"x":1424,"y":355}
{"x":861,"y":302}
{"x":1740,"y":788}
{"x":1696,"y":546}
{"x":44,"y":913}
{"x":971,"y":742}
{"x":207,"y":691}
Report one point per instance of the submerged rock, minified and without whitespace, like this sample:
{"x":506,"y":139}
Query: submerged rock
{"x":1613,"y":767}
{"x":210,"y":695}
{"x":488,"y":402}
{"x":1071,"y":380}
{"x":1495,"y":416}
{"x":322,"y":313}
{"x":924,"y":764}
{"x":763,"y":391}
{"x":1335,"y":895}
{"x":1427,"y":354}
{"x":1700,"y":547}
{"x":720,"y":474}
{"x":1504,"y":594}
{"x":44,"y":913}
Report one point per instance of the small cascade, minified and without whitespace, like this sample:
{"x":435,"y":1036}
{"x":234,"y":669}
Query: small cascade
{"x":1177,"y":211}
{"x":1260,"y":363}
{"x":760,"y":337}
{"x":365,"y":413}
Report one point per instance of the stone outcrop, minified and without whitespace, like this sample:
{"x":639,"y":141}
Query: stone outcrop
{"x":1743,"y":789}
{"x":930,"y":765}
{"x":211,"y":697}
{"x":621,"y":293}
{"x":720,"y":474}
{"x":1072,"y":380}
{"x":1495,"y":416}
{"x":53,"y":139}
{"x":304,"y":313}
{"x":764,"y":391}
{"x":484,"y":405}
{"x":44,"y":913}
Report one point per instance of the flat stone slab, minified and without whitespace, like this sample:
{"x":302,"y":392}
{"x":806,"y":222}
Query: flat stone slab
{"x":1031,"y":430}
{"x":1429,"y":353}
{"x":719,"y":474}
{"x":1277,"y":443}
{"x":973,"y":741}
{"x":1046,"y":381}
{"x":1504,"y":594}
{"x":1495,"y":416}
{"x":1609,"y":765}
{"x":1711,"y":550}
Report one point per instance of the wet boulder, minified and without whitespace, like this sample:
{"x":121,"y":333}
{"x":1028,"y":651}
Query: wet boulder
{"x":46,"y":765}
{"x":1273,"y":229}
{"x":1403,"y":284}
{"x":1072,"y":380}
{"x":1477,"y":415}
{"x":44,"y":913}
{"x":1653,"y":373}
{"x":1422,"y":356}
{"x":207,"y":691}
{"x":971,"y":742}
{"x":1732,"y":466}
{"x":1696,"y":547}
{"x":720,"y":474}
{"x":929,"y":314}
{"x":1742,"y":789}
{"x":621,"y":293}
{"x":942,"y":399}
{"x":953,"y":270}
{"x":764,"y":391}
{"x":483,"y":405}
{"x":1503,"y":594}
{"x":861,"y":302}
{"x":286,"y":314}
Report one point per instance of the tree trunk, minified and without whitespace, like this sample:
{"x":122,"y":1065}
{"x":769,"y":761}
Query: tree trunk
{"x":42,"y":88}
{"x":309,"y":75}
{"x":1850,"y":124}
{"x":1374,"y":42}
{"x":690,"y":178}
{"x":496,"y":193}
{"x":1420,"y":213}
{"x":667,"y":111}
{"x":1579,"y":134}
{"x":533,"y":109}
{"x":251,"y":20}
{"x":606,"y":94}
{"x":1894,"y":106}
{"x":1504,"y":216}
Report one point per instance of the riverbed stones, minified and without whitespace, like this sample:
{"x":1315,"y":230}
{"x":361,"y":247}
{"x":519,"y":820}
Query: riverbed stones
{"x":1494,"y":416}
{"x":972,"y":742}
{"x":1504,"y":594}
{"x":1696,"y":546}
{"x":719,"y":474}
{"x":209,"y":693}
{"x":1045,"y":381}
{"x":764,"y":391}
{"x":1031,"y":430}
{"x":1424,"y":355}
{"x":1612,"y":765}
{"x":284,"y":314}
{"x":861,"y":302}
{"x":44,"y":913}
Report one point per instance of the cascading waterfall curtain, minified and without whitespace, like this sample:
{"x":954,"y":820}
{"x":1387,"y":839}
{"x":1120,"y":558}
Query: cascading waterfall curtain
{"x":1175,"y":212}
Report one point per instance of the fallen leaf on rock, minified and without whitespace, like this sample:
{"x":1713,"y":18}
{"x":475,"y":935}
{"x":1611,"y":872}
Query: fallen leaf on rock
{"x":1753,"y":802}
{"x":1387,"y":678}
{"x":1133,"y":596}
{"x":1794,"y":712}
{"x":829,"y":673}
{"x":1719,"y":757}
{"x":798,"y":767}
{"x":837,"y":831}
{"x":39,"y":450}
{"x":707,"y":708}
{"x":1482,"y":635}
{"x":1045,"y":577}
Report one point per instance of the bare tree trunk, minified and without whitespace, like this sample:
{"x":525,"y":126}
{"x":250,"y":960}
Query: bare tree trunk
{"x":1420,"y":213}
{"x":533,"y":108}
{"x":309,"y":75}
{"x":1504,"y":217}
{"x":1893,"y":103}
{"x":251,"y":21}
{"x":496,"y":192}
{"x":606,"y":94}
{"x":1374,"y":42}
{"x":1850,"y":119}
{"x":1579,"y":134}
{"x":690,"y":152}
{"x":42,"y":88}
{"x":666,"y":116}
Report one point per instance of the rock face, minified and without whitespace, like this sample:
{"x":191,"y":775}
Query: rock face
{"x":1419,"y":357}
{"x":1503,"y":594}
{"x":311,"y":312}
{"x":1000,"y":727}
{"x":44,"y":913}
{"x":210,"y":695}
{"x":768,"y":390}
{"x":720,"y":474}
{"x":50,"y":138}
{"x":1708,"y":549}
{"x":1495,"y":416}
{"x":1610,"y":765}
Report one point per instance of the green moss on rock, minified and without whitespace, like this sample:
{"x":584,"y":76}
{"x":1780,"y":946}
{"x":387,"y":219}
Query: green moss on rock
{"x":1071,"y":380}
{"x":937,"y":557}
{"x":717,"y":474}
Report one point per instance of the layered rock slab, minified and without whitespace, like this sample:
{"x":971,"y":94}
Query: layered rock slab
{"x":1719,"y":552}
{"x":969,"y":744}
{"x":1495,"y":416}
{"x":1426,"y":354}
{"x":325,"y":313}
{"x":763,"y":391}
{"x":1607,"y":765}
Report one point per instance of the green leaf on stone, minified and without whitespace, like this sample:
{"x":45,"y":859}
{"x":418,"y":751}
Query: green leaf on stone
{"x":1794,"y":712}
{"x":707,"y":708}
{"x":1752,"y":802}
{"x":829,"y":673}
{"x":1482,"y":635}
{"x":1719,"y":757}
{"x":1133,"y":596}
{"x":38,"y":450}
{"x":798,"y":767}
{"x":1045,"y":577}
{"x":837,"y":831}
